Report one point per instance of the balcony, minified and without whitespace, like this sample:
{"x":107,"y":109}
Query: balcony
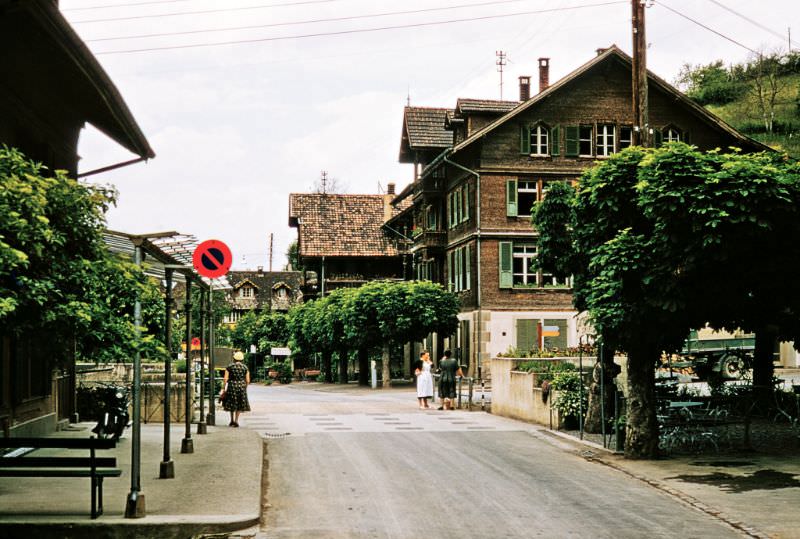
{"x":430,"y":239}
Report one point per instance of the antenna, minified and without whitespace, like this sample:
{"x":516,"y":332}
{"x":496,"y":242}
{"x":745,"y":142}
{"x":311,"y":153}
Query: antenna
{"x":324,"y":181}
{"x":501,"y":63}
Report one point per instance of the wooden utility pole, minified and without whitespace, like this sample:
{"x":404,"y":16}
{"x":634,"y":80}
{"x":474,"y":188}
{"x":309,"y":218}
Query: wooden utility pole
{"x":270,"y":252}
{"x":641,"y":128}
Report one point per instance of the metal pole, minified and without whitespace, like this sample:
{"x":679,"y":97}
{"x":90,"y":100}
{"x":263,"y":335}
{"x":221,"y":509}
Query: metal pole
{"x":580,"y":386}
{"x":212,"y":383}
{"x":167,"y":467}
{"x":602,"y":359}
{"x":187,"y":445}
{"x":201,"y":426}
{"x":134,"y":508}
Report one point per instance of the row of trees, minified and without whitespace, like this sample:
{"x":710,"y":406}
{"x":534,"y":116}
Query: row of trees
{"x":661,"y":241}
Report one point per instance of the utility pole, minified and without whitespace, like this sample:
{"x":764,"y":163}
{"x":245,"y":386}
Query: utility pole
{"x":501,"y":63}
{"x":270,"y":252}
{"x":641,"y":127}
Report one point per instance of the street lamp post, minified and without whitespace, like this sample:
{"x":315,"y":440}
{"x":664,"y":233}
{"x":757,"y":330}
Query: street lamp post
{"x":187,"y":445}
{"x":135,"y":508}
{"x":167,"y":467}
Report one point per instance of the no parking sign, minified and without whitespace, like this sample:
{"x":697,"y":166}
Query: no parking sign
{"x":212,"y":259}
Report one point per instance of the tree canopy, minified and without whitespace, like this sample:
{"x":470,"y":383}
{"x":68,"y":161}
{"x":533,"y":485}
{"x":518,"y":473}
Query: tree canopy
{"x":669,"y":239}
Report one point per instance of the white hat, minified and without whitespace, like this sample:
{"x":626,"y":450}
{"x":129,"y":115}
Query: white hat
{"x":238,"y":355}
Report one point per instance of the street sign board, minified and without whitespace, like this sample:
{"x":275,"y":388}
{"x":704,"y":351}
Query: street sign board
{"x":212,"y":259}
{"x":278,"y":351}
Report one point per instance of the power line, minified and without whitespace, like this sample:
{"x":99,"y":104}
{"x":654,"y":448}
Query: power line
{"x":698,"y":23}
{"x":312,"y":21}
{"x":748,"y":19}
{"x":225,"y":10}
{"x":125,"y":5}
{"x":359,"y":31}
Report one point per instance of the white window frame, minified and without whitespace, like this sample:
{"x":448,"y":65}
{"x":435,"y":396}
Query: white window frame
{"x":540,"y":140}
{"x":605,"y":140}
{"x":246,"y":292}
{"x":526,"y":252}
{"x":524,"y":186}
{"x":626,"y":142}
{"x":583,"y":138}
{"x":672,"y":134}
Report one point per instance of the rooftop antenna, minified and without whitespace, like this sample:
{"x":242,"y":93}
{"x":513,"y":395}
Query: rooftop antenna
{"x":324,"y":181}
{"x":408,"y":92}
{"x":501,"y":63}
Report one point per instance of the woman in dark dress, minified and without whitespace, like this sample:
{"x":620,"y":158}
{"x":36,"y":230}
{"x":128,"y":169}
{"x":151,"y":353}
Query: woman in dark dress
{"x":447,"y":381}
{"x":234,"y":389}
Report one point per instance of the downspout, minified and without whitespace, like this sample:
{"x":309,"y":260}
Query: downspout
{"x":477,"y":249}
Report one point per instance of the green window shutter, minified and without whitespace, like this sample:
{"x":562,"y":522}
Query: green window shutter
{"x":506,"y":265}
{"x":457,"y":270}
{"x":526,"y":335}
{"x":687,"y":137}
{"x":525,"y":140}
{"x":555,"y":142}
{"x":467,"y":268}
{"x":449,"y":261}
{"x":571,"y":135}
{"x":511,"y":198}
{"x":559,"y":342}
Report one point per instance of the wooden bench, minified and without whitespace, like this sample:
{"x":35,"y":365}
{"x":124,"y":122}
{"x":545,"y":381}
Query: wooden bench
{"x":94,"y":467}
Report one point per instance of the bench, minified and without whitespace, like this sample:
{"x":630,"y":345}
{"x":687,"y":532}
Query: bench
{"x":94,"y":467}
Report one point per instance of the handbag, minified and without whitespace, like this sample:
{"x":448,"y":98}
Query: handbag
{"x":223,"y":394}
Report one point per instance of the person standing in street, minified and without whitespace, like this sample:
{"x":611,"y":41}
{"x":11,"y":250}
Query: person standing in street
{"x":424,"y":379}
{"x":447,"y":381}
{"x":234,"y":388}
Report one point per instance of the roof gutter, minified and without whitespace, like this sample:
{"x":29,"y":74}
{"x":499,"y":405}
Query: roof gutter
{"x":477,"y":241}
{"x":112,"y":167}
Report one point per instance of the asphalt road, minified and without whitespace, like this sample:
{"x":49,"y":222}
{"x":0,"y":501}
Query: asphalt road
{"x":369,"y":464}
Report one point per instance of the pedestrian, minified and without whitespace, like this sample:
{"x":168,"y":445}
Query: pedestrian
{"x":424,"y":379}
{"x":449,"y":368}
{"x":234,"y":388}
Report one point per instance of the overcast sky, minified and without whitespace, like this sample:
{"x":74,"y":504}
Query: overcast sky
{"x":237,"y":127}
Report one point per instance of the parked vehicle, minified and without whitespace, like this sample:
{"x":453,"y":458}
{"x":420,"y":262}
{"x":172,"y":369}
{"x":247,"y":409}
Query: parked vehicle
{"x":113,"y":402}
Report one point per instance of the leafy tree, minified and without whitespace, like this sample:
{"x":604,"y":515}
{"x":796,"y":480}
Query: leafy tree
{"x":711,"y":84}
{"x":293,"y":258}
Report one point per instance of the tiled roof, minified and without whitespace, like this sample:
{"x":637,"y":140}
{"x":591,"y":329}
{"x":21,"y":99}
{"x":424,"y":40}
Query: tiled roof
{"x":485,"y":105}
{"x":425,"y":128}
{"x":265,"y":282}
{"x":342,"y":225}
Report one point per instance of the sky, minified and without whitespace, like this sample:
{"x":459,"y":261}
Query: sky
{"x":246,"y":101}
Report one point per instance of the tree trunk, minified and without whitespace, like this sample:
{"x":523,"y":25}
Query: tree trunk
{"x":641,"y":437}
{"x":601,"y":404}
{"x":343,"y":366}
{"x":763,"y":366}
{"x":386,"y":374}
{"x":326,"y":367}
{"x":363,"y":367}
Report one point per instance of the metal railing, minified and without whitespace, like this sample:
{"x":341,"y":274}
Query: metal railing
{"x":466,"y":388}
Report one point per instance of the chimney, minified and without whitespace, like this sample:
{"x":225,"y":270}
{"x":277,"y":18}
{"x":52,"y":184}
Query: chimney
{"x":544,"y":74}
{"x":601,"y":51}
{"x":390,"y":188}
{"x":524,"y":88}
{"x":260,"y":269}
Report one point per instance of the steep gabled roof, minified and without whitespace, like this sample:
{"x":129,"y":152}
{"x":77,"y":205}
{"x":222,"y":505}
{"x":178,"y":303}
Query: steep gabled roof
{"x":466,"y":105}
{"x":40,"y":50}
{"x":423,"y":129}
{"x":612,"y":53}
{"x":342,"y":225}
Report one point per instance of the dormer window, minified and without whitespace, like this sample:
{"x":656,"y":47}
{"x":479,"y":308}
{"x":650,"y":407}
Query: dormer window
{"x":246,"y":292}
{"x":672,"y":134}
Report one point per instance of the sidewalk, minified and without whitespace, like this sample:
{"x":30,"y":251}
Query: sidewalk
{"x":216,"y":489}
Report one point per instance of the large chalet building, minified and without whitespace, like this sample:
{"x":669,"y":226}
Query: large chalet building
{"x":481,"y":166}
{"x":261,"y":291}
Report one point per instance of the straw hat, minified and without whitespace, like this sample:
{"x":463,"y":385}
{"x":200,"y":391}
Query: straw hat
{"x":238,"y":355}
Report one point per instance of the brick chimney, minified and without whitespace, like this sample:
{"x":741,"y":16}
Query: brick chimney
{"x":524,"y":87}
{"x":390,"y":188}
{"x":601,"y":51}
{"x":387,"y":202}
{"x":544,"y":74}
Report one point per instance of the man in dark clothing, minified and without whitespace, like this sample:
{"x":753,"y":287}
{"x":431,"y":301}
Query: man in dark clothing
{"x":447,"y":381}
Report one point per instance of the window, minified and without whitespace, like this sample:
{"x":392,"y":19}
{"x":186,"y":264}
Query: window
{"x":281,"y":293}
{"x":246,"y":292}
{"x":605,"y":140}
{"x":625,"y":137}
{"x":458,"y":269}
{"x":458,"y":206}
{"x":672,"y":135}
{"x":549,"y":280}
{"x":539,"y":140}
{"x":522,"y":260}
{"x":527,"y":194}
{"x":585,"y":141}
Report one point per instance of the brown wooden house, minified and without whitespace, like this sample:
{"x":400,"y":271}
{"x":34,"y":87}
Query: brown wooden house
{"x":261,"y":291}
{"x":342,"y":239}
{"x":50,"y":87}
{"x":472,"y":202}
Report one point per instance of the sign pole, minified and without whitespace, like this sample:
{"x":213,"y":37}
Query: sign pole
{"x":167,"y":467}
{"x":187,"y":445}
{"x":201,"y":425}
{"x":134,"y":508}
{"x":212,"y":384}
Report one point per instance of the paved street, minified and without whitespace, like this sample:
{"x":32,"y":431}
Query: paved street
{"x":368,"y":463}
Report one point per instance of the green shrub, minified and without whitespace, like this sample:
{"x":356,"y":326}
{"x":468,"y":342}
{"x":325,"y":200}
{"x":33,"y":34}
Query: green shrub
{"x":180,"y":366}
{"x":546,"y":369}
{"x":568,"y":385}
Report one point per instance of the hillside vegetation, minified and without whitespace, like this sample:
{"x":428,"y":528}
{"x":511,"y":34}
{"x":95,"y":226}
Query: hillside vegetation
{"x":760,"y":98}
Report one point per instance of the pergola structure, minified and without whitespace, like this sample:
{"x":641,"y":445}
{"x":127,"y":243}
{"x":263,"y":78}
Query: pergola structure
{"x":167,"y":256}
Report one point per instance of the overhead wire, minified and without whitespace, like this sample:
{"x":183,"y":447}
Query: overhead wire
{"x":359,"y":30}
{"x":748,"y":19}
{"x":112,"y":6}
{"x":203,"y":12}
{"x":698,"y":23}
{"x":311,"y":21}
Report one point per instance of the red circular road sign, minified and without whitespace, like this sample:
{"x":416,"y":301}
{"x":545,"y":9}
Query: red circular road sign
{"x":212,"y":259}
